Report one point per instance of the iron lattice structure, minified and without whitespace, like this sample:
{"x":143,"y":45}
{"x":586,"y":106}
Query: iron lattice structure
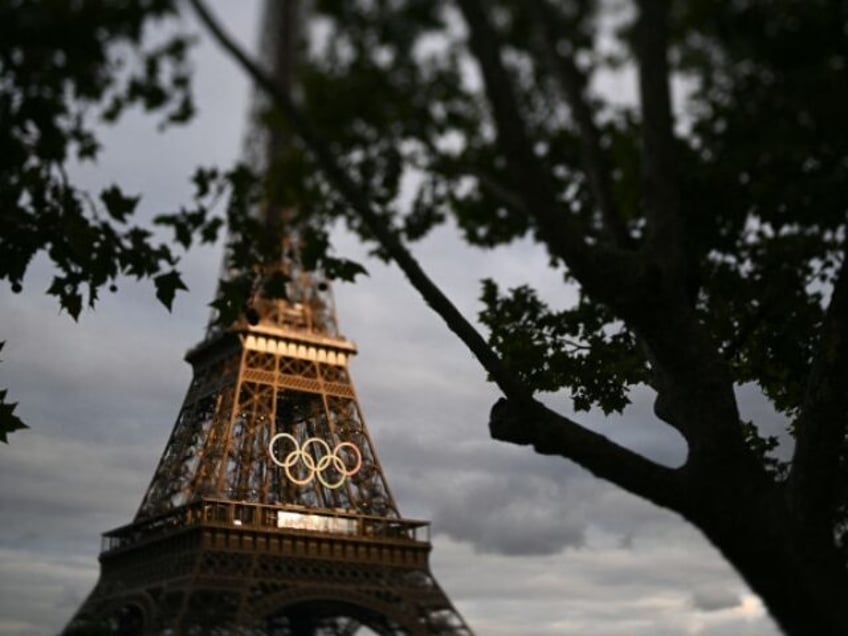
{"x":269,"y":513}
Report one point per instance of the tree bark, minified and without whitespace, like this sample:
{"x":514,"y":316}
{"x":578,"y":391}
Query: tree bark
{"x":801,"y":579}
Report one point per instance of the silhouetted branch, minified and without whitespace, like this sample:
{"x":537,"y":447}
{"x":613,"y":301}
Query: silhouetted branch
{"x":573,"y":83}
{"x":607,"y":273}
{"x":552,"y":434}
{"x":665,"y":235}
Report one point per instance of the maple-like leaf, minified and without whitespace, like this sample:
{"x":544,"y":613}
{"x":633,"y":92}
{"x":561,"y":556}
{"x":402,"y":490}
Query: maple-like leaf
{"x":119,"y":206}
{"x":9,"y":422}
{"x":167,"y":286}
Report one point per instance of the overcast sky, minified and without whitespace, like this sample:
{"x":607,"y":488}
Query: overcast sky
{"x":522,"y":544}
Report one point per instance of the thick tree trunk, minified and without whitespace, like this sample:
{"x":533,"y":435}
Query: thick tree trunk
{"x":805,"y":597}
{"x":801,"y":578}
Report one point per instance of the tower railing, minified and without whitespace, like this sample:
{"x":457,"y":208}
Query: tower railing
{"x":267,"y":518}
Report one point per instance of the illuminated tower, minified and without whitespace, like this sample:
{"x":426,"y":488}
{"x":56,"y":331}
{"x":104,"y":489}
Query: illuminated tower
{"x":269,"y":512}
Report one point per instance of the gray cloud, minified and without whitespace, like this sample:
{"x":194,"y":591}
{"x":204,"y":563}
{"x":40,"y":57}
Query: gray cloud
{"x":507,"y":515}
{"x":591,"y":591}
{"x":39,"y":592}
{"x":711,"y":599}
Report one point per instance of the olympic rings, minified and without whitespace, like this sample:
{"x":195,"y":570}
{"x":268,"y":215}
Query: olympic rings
{"x":316,"y":467}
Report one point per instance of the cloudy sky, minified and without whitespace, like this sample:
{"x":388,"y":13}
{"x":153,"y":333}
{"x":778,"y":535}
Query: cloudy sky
{"x":522,"y":544}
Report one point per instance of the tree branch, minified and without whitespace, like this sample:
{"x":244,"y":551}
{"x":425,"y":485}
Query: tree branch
{"x":822,"y":425}
{"x":512,"y":135}
{"x":694,"y":384}
{"x":593,"y":158}
{"x":647,"y":293}
{"x":665,"y":235}
{"x":608,"y":274}
{"x":550,"y":433}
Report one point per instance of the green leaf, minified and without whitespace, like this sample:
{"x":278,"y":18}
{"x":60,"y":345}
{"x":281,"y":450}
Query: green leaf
{"x":68,"y":293}
{"x":167,"y":286}
{"x":209,"y":232}
{"x":118,"y":206}
{"x":72,"y":303}
{"x":9,"y":422}
{"x":203,"y":178}
{"x":343,"y":269}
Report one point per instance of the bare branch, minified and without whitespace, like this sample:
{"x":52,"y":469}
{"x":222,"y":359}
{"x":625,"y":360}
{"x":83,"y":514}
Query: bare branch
{"x":573,"y":83}
{"x":552,"y":434}
{"x":823,"y":422}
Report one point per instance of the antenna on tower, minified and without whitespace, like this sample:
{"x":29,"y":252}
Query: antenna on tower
{"x":307,"y":301}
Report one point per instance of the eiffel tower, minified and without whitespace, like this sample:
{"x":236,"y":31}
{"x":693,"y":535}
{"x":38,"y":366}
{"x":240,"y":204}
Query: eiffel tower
{"x":269,"y":512}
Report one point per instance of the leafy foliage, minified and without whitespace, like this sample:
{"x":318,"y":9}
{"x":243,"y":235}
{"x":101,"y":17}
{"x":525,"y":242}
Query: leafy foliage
{"x":759,"y":176}
{"x":63,"y":66}
{"x":418,"y":133}
{"x":765,"y":212}
{"x":768,"y":178}
{"x":67,"y":69}
{"x":579,"y":348}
